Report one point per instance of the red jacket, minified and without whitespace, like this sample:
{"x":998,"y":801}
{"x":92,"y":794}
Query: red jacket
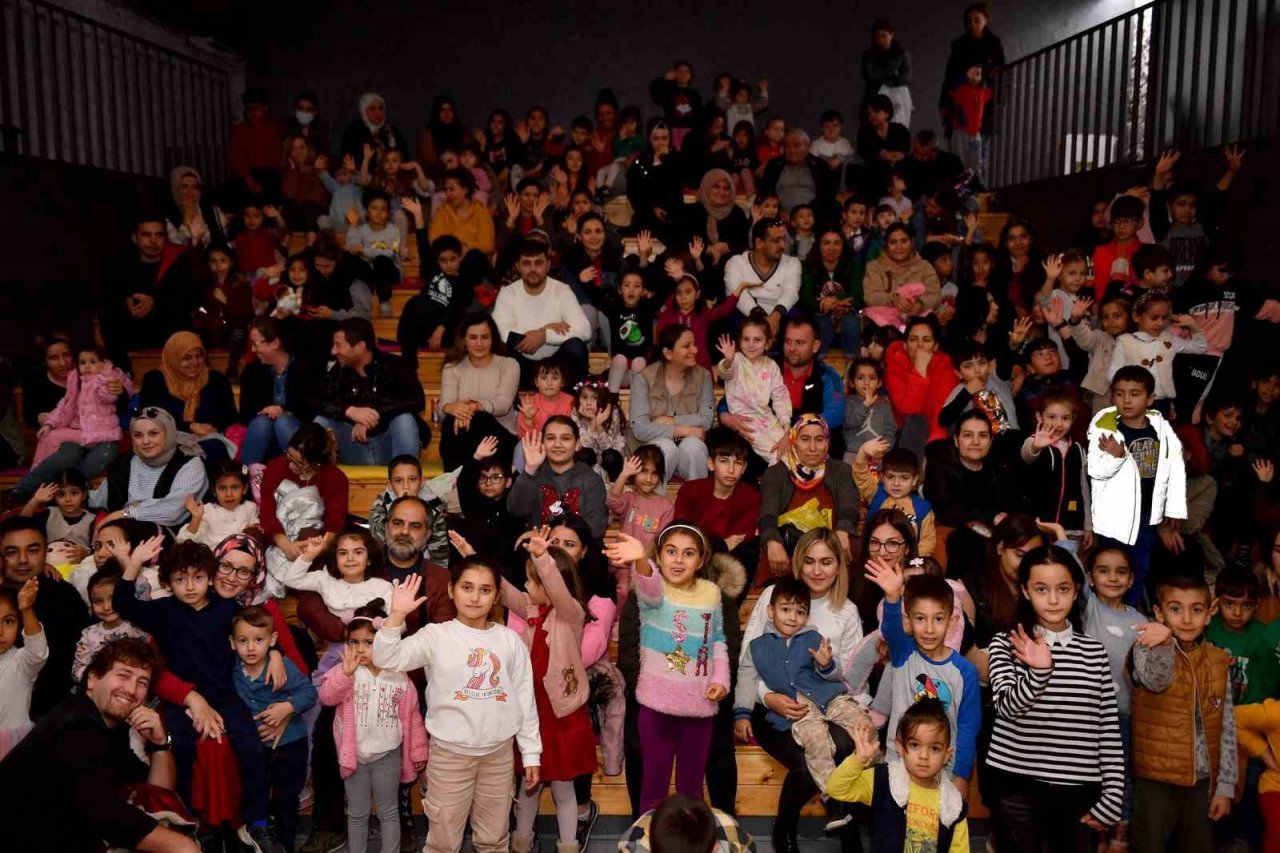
{"x":328,"y":479}
{"x":913,"y":394}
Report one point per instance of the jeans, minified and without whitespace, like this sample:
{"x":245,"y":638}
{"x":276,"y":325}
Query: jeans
{"x":375,"y":785}
{"x":686,"y":456}
{"x":1042,"y":816}
{"x":287,"y":772}
{"x":850,"y":330}
{"x":401,"y":437}
{"x":90,"y":461}
{"x":970,"y":149}
{"x":266,"y":438}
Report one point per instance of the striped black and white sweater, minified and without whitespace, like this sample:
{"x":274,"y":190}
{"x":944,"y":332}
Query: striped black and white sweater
{"x":1059,"y":725}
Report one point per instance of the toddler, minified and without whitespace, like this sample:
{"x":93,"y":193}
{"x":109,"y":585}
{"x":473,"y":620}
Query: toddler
{"x":754,"y":389}
{"x":627,"y":146}
{"x":868,"y":414}
{"x":602,"y":427}
{"x":352,"y":572}
{"x":346,"y":207}
{"x":1065,"y":275}
{"x":380,"y":243}
{"x":232,"y":509}
{"x":110,"y":625}
{"x":547,"y":401}
{"x":1098,"y":339}
{"x":770,"y":144}
{"x":832,"y":147}
{"x":895,"y":486}
{"x":68,"y":520}
{"x":800,"y":237}
{"x":227,"y":309}
{"x":1153,"y":346}
{"x":734,"y":99}
{"x":257,"y":245}
{"x":19,"y":666}
{"x":897,"y":197}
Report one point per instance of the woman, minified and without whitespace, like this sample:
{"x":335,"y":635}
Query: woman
{"x":308,"y":461}
{"x":444,"y":132}
{"x":153,"y":481}
{"x":890,"y":537}
{"x":198,"y":398}
{"x":671,"y":404}
{"x":540,"y":143}
{"x":653,"y":184}
{"x":44,"y":388}
{"x":886,"y":70}
{"x":275,"y":392}
{"x":831,"y":290}
{"x":501,"y":147}
{"x":918,"y":376}
{"x":710,"y":149}
{"x":1019,"y":271}
{"x":371,"y":129}
{"x":477,"y":392}
{"x":722,"y":226}
{"x":820,"y":563}
{"x":976,"y":46}
{"x":892,"y":280}
{"x":466,"y":218}
{"x":881,"y":143}
{"x":194,"y":220}
{"x":591,"y":266}
{"x":804,"y":491}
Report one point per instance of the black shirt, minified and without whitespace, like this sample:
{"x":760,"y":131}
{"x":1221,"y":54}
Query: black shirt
{"x":63,"y":784}
{"x":1143,"y":445}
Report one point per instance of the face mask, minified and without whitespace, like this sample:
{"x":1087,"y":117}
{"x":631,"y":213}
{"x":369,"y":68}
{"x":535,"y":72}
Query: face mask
{"x":304,"y":118}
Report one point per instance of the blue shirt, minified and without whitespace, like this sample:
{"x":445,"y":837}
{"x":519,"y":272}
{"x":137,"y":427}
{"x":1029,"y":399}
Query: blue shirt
{"x":257,"y":694}
{"x":278,"y":381}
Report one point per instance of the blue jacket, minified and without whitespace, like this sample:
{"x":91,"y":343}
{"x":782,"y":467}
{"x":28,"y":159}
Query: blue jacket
{"x":787,"y":667}
{"x":298,"y":691}
{"x":920,"y":508}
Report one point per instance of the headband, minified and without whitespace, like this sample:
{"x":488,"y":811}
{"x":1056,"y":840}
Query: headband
{"x":593,"y":383}
{"x":375,"y":621}
{"x":680,"y":526}
{"x":1148,"y":296}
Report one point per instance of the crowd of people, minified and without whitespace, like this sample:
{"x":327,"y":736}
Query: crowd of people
{"x":1028,"y":537}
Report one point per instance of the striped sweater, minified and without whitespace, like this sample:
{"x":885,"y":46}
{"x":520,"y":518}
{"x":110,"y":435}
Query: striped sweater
{"x":1059,"y":725}
{"x":682,"y":646}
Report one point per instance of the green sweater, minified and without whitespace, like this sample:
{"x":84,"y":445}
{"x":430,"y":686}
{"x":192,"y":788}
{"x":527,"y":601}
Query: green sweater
{"x":1255,"y":667}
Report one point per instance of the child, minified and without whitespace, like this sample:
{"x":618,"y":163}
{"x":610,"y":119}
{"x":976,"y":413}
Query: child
{"x":482,"y":493}
{"x":1153,"y":268}
{"x":301,"y":188}
{"x":631,"y":318}
{"x":1255,"y":671}
{"x":1056,"y":756}
{"x":895,"y":486}
{"x":1111,"y":260}
{"x":1065,"y":275}
{"x":689,"y":308}
{"x":868,"y":415}
{"x":549,"y":400}
{"x":352,"y":575}
{"x":923,"y":666}
{"x":256,"y":249}
{"x":723,"y":506}
{"x":253,"y":634}
{"x":1056,"y":481}
{"x":562,"y":485}
{"x":480,"y":703}
{"x":912,"y":808}
{"x":883,"y":217}
{"x":753,"y":385}
{"x":770,"y":144}
{"x":86,"y":414}
{"x":68,"y":520}
{"x":231,"y":511}
{"x":940,"y":256}
{"x":1184,"y":731}
{"x":288,"y":296}
{"x":1041,"y":368}
{"x":743,"y":158}
{"x":801,"y":237}
{"x":734,"y":98}
{"x":19,"y":666}
{"x":1154,"y":347}
{"x":404,"y":477}
{"x":602,"y":426}
{"x":1098,"y":339}
{"x":969,"y":100}
{"x":627,"y":146}
{"x":897,"y":197}
{"x":227,"y":309}
{"x":109,"y":627}
{"x":1136,"y":472}
{"x":430,"y":317}
{"x":643,"y":512}
{"x":378,"y":729}
{"x":1183,"y":218}
{"x":831,"y":147}
{"x":381,"y":245}
{"x":554,"y":612}
{"x":346,"y":207}
{"x":853,"y":225}
{"x":684,"y":662}
{"x":1257,"y":730}
{"x":979,"y":388}
{"x":878,"y":340}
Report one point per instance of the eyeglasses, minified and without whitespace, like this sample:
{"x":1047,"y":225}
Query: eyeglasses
{"x":241,"y":573}
{"x":891,"y":546}
{"x":492,"y":478}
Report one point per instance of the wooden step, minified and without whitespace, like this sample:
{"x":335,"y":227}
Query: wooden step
{"x":990,"y":225}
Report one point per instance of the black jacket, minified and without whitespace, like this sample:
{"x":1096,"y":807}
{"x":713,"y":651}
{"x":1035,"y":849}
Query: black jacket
{"x":256,"y":383}
{"x":389,"y":385}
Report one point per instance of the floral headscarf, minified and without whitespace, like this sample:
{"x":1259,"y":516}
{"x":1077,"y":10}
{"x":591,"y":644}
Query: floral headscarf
{"x":186,"y":390}
{"x":805,"y":477}
{"x":254,"y":593}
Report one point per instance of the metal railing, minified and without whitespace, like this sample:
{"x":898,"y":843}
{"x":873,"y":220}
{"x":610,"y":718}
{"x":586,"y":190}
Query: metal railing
{"x":1190,"y":74}
{"x":78,"y":91}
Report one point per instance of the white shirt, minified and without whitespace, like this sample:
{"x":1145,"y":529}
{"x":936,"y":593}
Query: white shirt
{"x":339,"y":596}
{"x":841,"y":148}
{"x":218,"y":523}
{"x":780,"y":289}
{"x":18,"y":671}
{"x":516,"y":311}
{"x":377,"y":710}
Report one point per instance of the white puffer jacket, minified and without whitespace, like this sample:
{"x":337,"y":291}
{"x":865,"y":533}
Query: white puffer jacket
{"x":1117,"y":485}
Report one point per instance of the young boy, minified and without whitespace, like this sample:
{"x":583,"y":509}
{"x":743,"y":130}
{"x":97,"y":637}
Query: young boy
{"x":939,"y":256}
{"x":1183,"y":218}
{"x":1184,"y":731}
{"x":1255,"y":671}
{"x":381,"y":245}
{"x":970,"y":100}
{"x":921,"y":665}
{"x":1136,"y":472}
{"x":1152,"y":266}
{"x":723,"y":506}
{"x":980,"y":388}
{"x":482,"y":493}
{"x":912,"y":807}
{"x":404,"y":477}
{"x":831,"y":147}
{"x":896,"y":486}
{"x":1042,"y":369}
{"x":1262,"y":419}
{"x":346,"y":208}
{"x":1111,"y":260}
{"x":549,"y":399}
{"x":1064,"y":276}
{"x":431,"y":316}
{"x":800,"y":238}
{"x":853,"y":225}
{"x":683,"y":823}
{"x":191,"y":627}
{"x":252,"y":637}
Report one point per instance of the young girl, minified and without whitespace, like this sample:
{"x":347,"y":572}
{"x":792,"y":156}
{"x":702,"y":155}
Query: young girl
{"x":19,"y":666}
{"x":86,"y":414}
{"x":110,"y":625}
{"x":1056,"y":752}
{"x":554,"y":613}
{"x":231,"y":510}
{"x":289,"y":293}
{"x":1098,"y":339}
{"x":1154,"y":346}
{"x":877,"y":342}
{"x":689,"y":308}
{"x":897,"y":197}
{"x":480,"y":701}
{"x":753,"y":386}
{"x":643,"y":512}
{"x":627,"y":146}
{"x":67,"y":521}
{"x":743,"y":157}
{"x":1057,"y":484}
{"x":770,"y":145}
{"x":378,"y":730}
{"x":631,"y":319}
{"x":868,"y":414}
{"x":684,"y":662}
{"x":352,"y":575}
{"x":602,"y":427}
{"x":226,"y":311}
{"x":472,"y":159}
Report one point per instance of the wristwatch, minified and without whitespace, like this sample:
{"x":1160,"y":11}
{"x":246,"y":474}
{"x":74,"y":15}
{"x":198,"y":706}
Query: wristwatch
{"x":160,"y":747}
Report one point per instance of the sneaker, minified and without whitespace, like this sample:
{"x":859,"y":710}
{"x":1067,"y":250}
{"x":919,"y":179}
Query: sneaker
{"x":586,"y":823}
{"x":306,"y":799}
{"x":838,"y":817}
{"x":259,"y":839}
{"x":337,"y":842}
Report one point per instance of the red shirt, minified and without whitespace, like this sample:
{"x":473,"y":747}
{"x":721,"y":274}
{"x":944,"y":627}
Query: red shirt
{"x":795,"y":383}
{"x":736,"y":515}
{"x":1113,"y":262}
{"x":970,"y":102}
{"x":256,"y":146}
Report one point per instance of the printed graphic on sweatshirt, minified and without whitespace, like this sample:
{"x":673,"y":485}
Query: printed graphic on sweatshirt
{"x":377,"y":704}
{"x":678,"y":660}
{"x":554,"y":503}
{"x":1146,"y":453}
{"x":642,"y":520}
{"x":987,"y":402}
{"x":484,"y":682}
{"x":927,"y":688}
{"x":1238,"y":677}
{"x":922,"y":826}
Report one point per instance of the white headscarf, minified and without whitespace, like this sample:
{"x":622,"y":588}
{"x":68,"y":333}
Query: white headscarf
{"x":365,"y":100}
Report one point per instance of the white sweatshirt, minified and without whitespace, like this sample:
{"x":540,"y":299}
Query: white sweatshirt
{"x":18,"y":671}
{"x":479,"y":685}
{"x":218,"y":523}
{"x":780,"y":289}
{"x":1117,"y":483}
{"x":340,"y":597}
{"x":516,"y":311}
{"x":1156,"y":355}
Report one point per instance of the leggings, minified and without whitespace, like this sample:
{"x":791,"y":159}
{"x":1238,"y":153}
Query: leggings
{"x":566,"y":809}
{"x":375,"y":785}
{"x":671,"y":740}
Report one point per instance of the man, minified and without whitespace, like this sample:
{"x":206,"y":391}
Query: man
{"x":768,"y":264}
{"x":798,"y":177}
{"x":66,"y":783}
{"x":253,"y":149}
{"x":149,"y":291}
{"x":408,"y":528}
{"x":927,"y":168}
{"x":539,"y":317}
{"x":371,"y":399}
{"x":58,"y":607}
{"x":814,"y":386}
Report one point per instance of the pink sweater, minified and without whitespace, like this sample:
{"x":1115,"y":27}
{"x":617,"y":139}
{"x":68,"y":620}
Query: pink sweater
{"x":595,"y":634}
{"x":338,"y":688}
{"x":89,"y":407}
{"x":641,"y":516}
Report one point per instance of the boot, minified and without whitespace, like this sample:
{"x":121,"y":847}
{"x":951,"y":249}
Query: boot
{"x":522,"y":842}
{"x":784,"y":840}
{"x":562,"y":847}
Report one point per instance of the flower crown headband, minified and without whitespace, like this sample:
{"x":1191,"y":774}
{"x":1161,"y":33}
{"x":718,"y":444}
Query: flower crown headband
{"x":592,"y":384}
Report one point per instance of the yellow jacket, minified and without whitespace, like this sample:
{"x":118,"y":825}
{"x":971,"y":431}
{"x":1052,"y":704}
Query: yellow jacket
{"x":474,"y":228}
{"x":1257,"y":728}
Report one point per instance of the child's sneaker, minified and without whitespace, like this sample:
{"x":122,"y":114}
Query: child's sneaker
{"x":838,"y":817}
{"x":259,"y":839}
{"x":586,"y":823}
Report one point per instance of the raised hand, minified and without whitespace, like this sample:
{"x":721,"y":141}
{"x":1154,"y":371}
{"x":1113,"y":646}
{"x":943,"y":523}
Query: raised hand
{"x":412,"y":205}
{"x":1052,"y":267}
{"x":971,"y":223}
{"x":696,"y":247}
{"x":27,"y":595}
{"x":350,"y":660}
{"x":1264,"y":470}
{"x":866,"y":746}
{"x":148,"y":550}
{"x":1235,"y":157}
{"x":822,"y":654}
{"x":1021,"y":328}
{"x":726,"y":347}
{"x":887,"y":575}
{"x":487,"y":447}
{"x":1164,"y":168}
{"x":1053,"y":313}
{"x":644,"y":245}
{"x":348,"y":162}
{"x":534,"y":453}
{"x":311,"y":548}
{"x":404,"y":595}
{"x":512,"y":203}
{"x":536,"y":544}
{"x":630,"y":468}
{"x":540,"y":207}
{"x":460,"y":544}
{"x":1081,"y":308}
{"x":1152,"y":634}
{"x":1032,"y":651}
{"x":876,"y":447}
{"x":46,"y":492}
{"x":194,"y":507}
{"x":625,"y":549}
{"x":1108,"y":444}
